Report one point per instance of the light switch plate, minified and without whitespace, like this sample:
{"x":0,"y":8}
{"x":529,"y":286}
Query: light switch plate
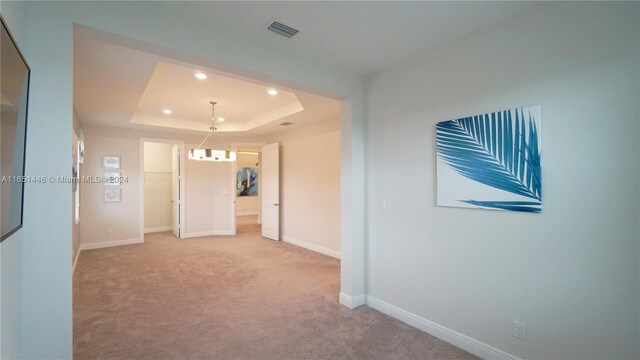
{"x":383,"y":204}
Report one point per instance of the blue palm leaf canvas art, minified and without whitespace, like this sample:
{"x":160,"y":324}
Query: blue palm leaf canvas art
{"x":491,"y":161}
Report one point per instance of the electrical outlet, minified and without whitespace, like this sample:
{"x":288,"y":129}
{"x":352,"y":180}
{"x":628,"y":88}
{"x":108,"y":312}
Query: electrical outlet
{"x":520,"y":330}
{"x":382,"y":204}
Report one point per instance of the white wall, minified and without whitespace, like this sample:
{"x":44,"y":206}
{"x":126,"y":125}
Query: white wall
{"x":248,"y":205}
{"x":157,"y":157}
{"x":10,"y":296}
{"x":209,"y":194}
{"x":570,"y":273}
{"x":102,"y":222}
{"x":42,"y":312}
{"x":310,"y":187}
{"x":157,"y":187}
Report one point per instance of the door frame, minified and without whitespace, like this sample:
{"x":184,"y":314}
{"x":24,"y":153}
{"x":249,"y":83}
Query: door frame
{"x":183,"y":176}
{"x":234,"y":168}
{"x":273,"y":147}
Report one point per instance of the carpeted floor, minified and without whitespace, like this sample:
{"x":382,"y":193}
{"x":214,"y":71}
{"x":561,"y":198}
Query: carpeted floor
{"x":247,"y":225}
{"x":229,"y":298}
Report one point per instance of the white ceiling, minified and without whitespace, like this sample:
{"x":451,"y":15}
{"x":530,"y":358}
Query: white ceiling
{"x":242,"y":104}
{"x":361,"y":36}
{"x":123,"y":87}
{"x":120,"y":86}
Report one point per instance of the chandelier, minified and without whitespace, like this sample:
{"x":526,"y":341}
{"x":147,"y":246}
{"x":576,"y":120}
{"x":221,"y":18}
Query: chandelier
{"x":211,"y":154}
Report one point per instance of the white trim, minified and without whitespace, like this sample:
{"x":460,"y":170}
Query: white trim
{"x":312,"y":247}
{"x":75,"y":261}
{"x":111,"y":243}
{"x":209,"y":233}
{"x":141,"y":178}
{"x":198,"y":234}
{"x":232,"y":188}
{"x":352,"y":302}
{"x":247,"y":213}
{"x":158,"y":229}
{"x":462,"y":341}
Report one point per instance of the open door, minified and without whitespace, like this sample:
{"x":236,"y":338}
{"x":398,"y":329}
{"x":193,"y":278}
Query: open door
{"x":175,"y":190}
{"x":270,"y":167}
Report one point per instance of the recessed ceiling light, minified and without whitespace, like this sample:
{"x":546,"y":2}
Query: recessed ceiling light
{"x":167,"y":111}
{"x":221,"y":119}
{"x":272,"y":92}
{"x":201,"y":76}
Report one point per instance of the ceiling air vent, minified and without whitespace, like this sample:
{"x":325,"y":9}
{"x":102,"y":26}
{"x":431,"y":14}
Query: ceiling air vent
{"x":286,"y":123}
{"x":282,"y":29}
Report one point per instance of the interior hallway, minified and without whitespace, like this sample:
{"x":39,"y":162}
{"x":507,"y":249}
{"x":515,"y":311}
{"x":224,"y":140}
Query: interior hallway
{"x":229,"y":298}
{"x":247,"y":225}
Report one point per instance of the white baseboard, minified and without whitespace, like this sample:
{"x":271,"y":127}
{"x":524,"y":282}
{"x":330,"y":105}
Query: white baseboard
{"x":105,"y":244}
{"x":158,"y":229}
{"x":462,"y":341}
{"x":313,"y":247}
{"x":198,"y":234}
{"x":209,"y":233}
{"x":352,"y":302}
{"x":75,"y":261}
{"x":246,"y":213}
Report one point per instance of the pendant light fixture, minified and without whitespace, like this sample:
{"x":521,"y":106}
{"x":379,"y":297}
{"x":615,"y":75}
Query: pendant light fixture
{"x":211,"y":154}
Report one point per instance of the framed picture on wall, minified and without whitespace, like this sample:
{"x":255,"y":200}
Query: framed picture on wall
{"x":491,"y":161}
{"x":110,"y":195}
{"x":247,"y":182}
{"x":111,"y":179}
{"x":111,"y":162}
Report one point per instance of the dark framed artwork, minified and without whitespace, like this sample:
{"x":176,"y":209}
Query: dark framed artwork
{"x":247,"y":182}
{"x":14,"y":94}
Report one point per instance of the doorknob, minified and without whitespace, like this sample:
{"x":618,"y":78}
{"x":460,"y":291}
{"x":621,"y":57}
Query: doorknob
{"x":276,"y":204}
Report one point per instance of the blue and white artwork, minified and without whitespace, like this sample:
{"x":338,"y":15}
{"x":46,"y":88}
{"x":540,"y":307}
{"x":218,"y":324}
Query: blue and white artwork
{"x":247,"y":182}
{"x":491,"y":161}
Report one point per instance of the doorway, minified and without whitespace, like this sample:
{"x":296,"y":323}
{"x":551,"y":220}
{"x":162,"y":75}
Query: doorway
{"x":162,"y":193}
{"x":248,"y":183}
{"x":256,"y":175}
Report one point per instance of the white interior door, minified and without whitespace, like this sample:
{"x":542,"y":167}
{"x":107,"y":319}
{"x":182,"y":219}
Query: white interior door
{"x":175,"y":190}
{"x":270,"y":167}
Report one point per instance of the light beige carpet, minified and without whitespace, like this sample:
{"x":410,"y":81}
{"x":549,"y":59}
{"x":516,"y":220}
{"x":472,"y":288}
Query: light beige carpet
{"x":229,"y":298}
